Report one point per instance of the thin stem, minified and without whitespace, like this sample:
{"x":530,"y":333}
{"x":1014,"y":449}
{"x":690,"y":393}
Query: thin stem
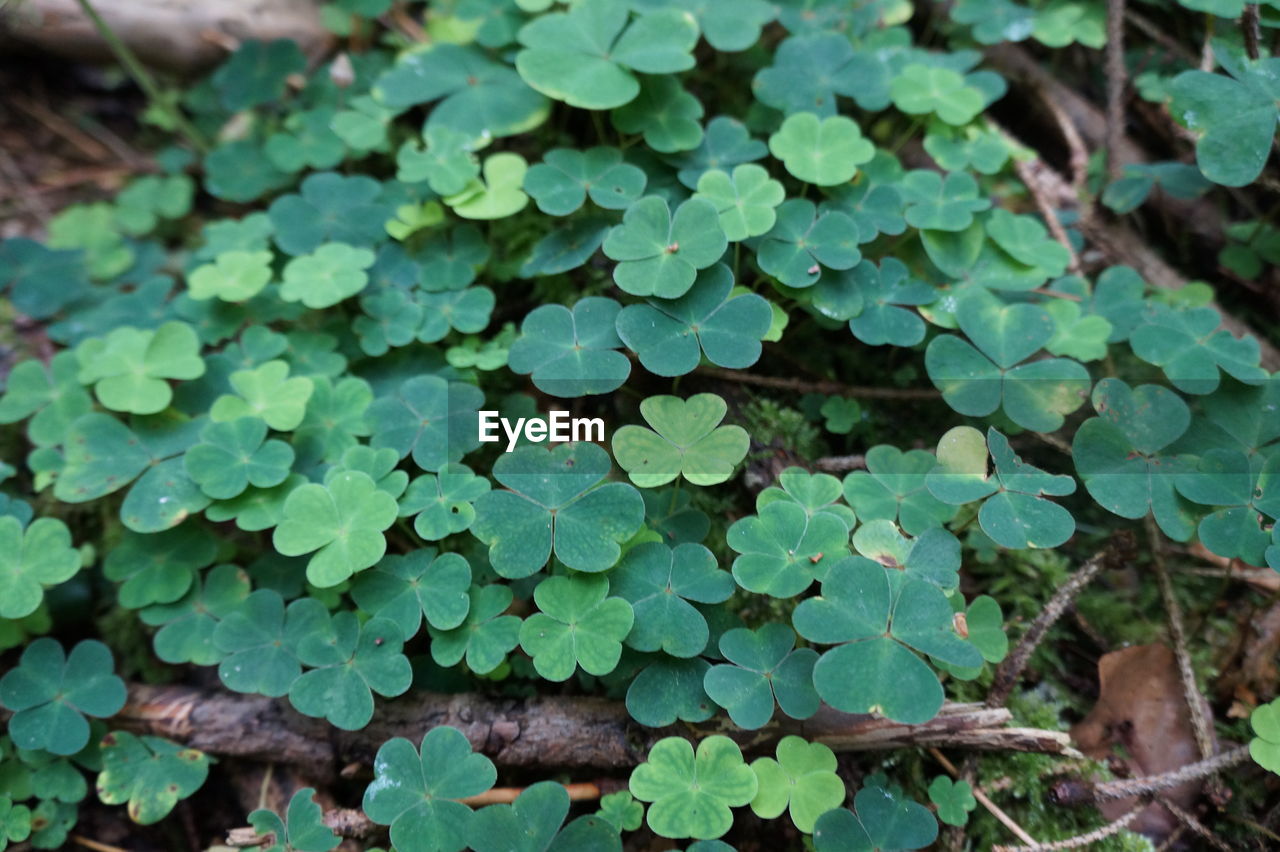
{"x":143,"y":78}
{"x":827,"y":387}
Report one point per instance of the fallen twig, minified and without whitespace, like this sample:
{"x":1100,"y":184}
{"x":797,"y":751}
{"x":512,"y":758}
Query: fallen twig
{"x":1009,"y":671}
{"x":1116,"y":82}
{"x":819,"y":386}
{"x":1080,"y":840}
{"x":1085,"y":793}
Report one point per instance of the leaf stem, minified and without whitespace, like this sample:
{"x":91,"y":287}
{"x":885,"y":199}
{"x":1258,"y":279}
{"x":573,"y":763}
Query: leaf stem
{"x":143,"y":78}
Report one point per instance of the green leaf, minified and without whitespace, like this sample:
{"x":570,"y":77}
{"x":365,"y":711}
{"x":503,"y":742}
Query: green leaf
{"x":301,"y":830}
{"x":485,"y":637}
{"x":342,"y":521}
{"x":802,"y":780}
{"x":259,"y":640}
{"x":727,"y":25}
{"x":234,"y":276}
{"x":660,"y":582}
{"x":783,"y":549}
{"x":886,"y":294}
{"x":881,"y":819}
{"x":149,"y":773}
{"x":670,"y":689}
{"x":1189,"y":348}
{"x":556,"y":504}
{"x":621,"y":810}
{"x":814,"y":492}
{"x":326,"y":276}
{"x":578,"y":625}
{"x":726,"y":143}
{"x":498,"y":195}
{"x":40,"y":280}
{"x":50,"y":694}
{"x":693,"y":793}
{"x":31,"y":560}
{"x":672,"y":335}
{"x":954,"y":800}
{"x":803,"y":241}
{"x":234,"y":455}
{"x":413,"y":791}
{"x":824,"y":152}
{"x":532,"y":824}
{"x":1265,"y":747}
{"x":744,"y":199}
{"x":443,"y":502}
{"x":924,"y":89}
{"x":665,"y":113}
{"x":874,"y":670}
{"x":50,"y":395}
{"x":767,"y":668}
{"x":1234,"y":118}
{"x":333,"y":208}
{"x":893,"y":488}
{"x":586,"y":56}
{"x":477,"y":95}
{"x":941,"y":204}
{"x":129,"y":369}
{"x":159,"y":568}
{"x":1018,"y":516}
{"x":809,"y":71}
{"x":428,"y":418}
{"x":565,"y":178}
{"x":188,"y":624}
{"x":686,"y":440}
{"x":659,"y":254}
{"x":405,"y":587}
{"x":571,"y":353}
{"x":256,"y":73}
{"x":351,"y":662}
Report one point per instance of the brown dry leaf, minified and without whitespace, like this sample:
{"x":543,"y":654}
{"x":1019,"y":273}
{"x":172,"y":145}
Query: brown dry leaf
{"x":1142,"y":719}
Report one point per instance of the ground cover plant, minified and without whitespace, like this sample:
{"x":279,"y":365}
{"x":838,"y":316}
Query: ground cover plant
{"x":871,"y":378}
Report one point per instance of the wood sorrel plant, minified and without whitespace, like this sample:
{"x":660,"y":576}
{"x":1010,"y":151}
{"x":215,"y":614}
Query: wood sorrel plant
{"x":274,"y":367}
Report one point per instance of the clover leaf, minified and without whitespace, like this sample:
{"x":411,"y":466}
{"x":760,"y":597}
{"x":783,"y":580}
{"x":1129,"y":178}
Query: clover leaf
{"x":159,"y":568}
{"x":803,"y":241}
{"x":149,"y":773}
{"x":621,"y":810}
{"x":1235,"y":119}
{"x":874,"y":671}
{"x":693,"y":792}
{"x":726,"y":143}
{"x":477,"y":95}
{"x":50,"y":395}
{"x":1242,"y":490}
{"x":428,"y":418}
{"x":665,"y":113}
{"x":802,"y":780}
{"x":880,"y":819}
{"x":265,"y":392}
{"x":187,"y":625}
{"x":744,"y":199}
{"x":941,"y":204}
{"x":351,"y":662}
{"x":814,"y":492}
{"x":954,"y":800}
{"x":301,"y":829}
{"x":443,"y":502}
{"x":1119,"y":454}
{"x":571,"y":353}
{"x":330,"y":207}
{"x":532,"y":823}
{"x":50,"y":693}
{"x":565,"y":178}
{"x":686,"y":440}
{"x":413,"y":791}
{"x":259,"y":640}
{"x":233,"y":455}
{"x":323,"y":278}
{"x":1028,"y":242}
{"x":578,"y":626}
{"x":823,"y":152}
{"x":783,"y":549}
{"x":670,"y":689}
{"x":256,"y":73}
{"x":809,"y":71}
{"x":1264,"y":748}
{"x":586,"y":56}
{"x":556,"y":504}
{"x":893,"y":488}
{"x":727,"y":25}
{"x":32,"y":560}
{"x":671,"y":335}
{"x":923,"y":89}
{"x":130,"y":368}
{"x":40,"y":280}
{"x":234,"y":276}
{"x":485,"y":637}
{"x":447,"y":163}
{"x":342,"y":521}
{"x":1189,"y":348}
{"x":498,"y":195}
{"x":659,"y":582}
{"x":1035,"y":395}
{"x":658,"y":253}
{"x":405,"y":587}
{"x":766,"y":667}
